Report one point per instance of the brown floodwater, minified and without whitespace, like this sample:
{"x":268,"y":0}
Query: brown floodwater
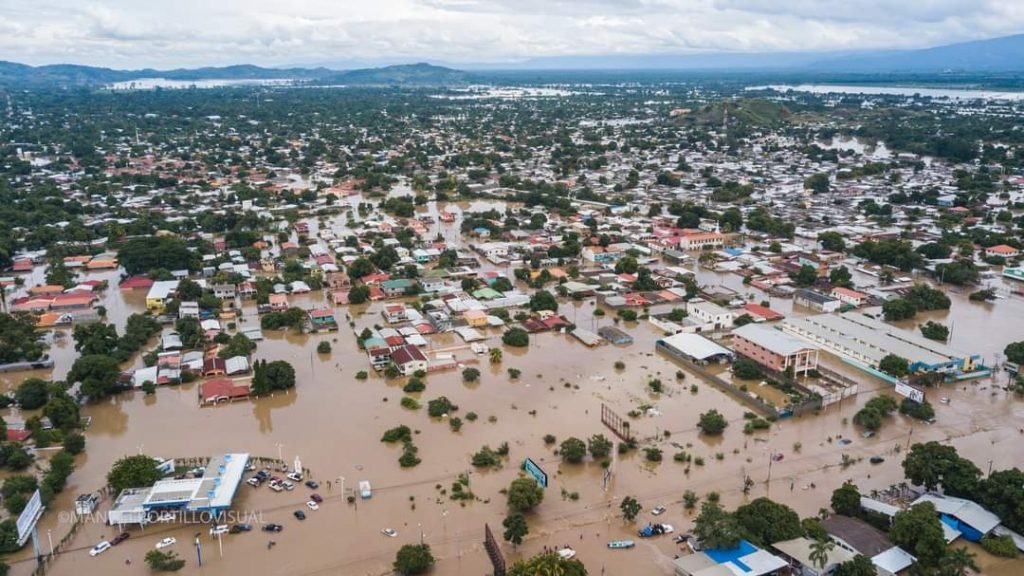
{"x":334,"y":423}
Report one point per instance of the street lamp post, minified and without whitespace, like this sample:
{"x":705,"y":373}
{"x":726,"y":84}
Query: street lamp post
{"x":49,"y":537}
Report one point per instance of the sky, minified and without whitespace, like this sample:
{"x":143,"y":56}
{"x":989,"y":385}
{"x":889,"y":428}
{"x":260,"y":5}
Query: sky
{"x":192,"y":33}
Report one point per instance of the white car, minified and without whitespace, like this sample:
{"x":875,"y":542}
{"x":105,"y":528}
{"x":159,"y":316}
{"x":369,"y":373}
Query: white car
{"x":99,"y":548}
{"x":218,"y":530}
{"x":312,"y":505}
{"x":658,"y":511}
{"x":287,"y":485}
{"x":166,"y":542}
{"x":295,"y":477}
{"x":389,"y":532}
{"x":276,"y":487}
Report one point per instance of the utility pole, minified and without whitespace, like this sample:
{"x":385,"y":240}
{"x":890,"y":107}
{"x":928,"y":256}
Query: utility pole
{"x":199,"y":551}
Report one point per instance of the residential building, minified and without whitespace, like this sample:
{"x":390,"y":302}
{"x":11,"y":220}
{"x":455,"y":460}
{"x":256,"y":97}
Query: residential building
{"x":710,"y":314}
{"x":159,"y":293}
{"x":848,"y":296}
{"x":816,"y":301}
{"x":409,"y":359}
{"x":774,"y":349}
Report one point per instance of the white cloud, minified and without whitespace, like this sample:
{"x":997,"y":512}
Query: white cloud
{"x":133,"y":34}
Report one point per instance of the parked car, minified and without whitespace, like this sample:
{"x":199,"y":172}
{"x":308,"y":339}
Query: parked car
{"x":171,"y":541}
{"x":312,"y":505}
{"x":219,"y":529}
{"x":119,"y":538}
{"x":655,"y":530}
{"x":99,"y":548}
{"x":389,"y":532}
{"x":299,"y":514}
{"x":876,"y":460}
{"x":240,"y":528}
{"x":287,"y":485}
{"x":312,"y":485}
{"x":254,"y":482}
{"x":316,"y":498}
{"x":272,"y":527}
{"x":658,"y":511}
{"x":295,"y":477}
{"x":275,"y":486}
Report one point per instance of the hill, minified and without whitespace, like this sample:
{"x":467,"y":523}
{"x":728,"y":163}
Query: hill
{"x":1004,"y":54}
{"x":70,"y":75}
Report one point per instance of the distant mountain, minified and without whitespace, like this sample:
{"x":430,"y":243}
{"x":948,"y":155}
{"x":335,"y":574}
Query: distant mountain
{"x":401,"y":75}
{"x":1004,"y":54}
{"x":21,"y":75}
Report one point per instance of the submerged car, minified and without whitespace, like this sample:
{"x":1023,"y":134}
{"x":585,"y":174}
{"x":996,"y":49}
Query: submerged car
{"x":299,"y":514}
{"x":312,"y":485}
{"x":240,"y":528}
{"x":166,"y":542}
{"x":876,"y":460}
{"x":272,"y":527}
{"x":312,"y":505}
{"x":658,"y":511}
{"x":389,"y":532}
{"x":99,"y":548}
{"x":655,"y":530}
{"x":316,"y":498}
{"x":119,"y":538}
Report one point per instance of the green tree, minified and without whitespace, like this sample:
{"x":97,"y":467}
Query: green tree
{"x":133,"y":472}
{"x":19,"y":339}
{"x":1001,"y":493}
{"x":807,"y":275}
{"x":934,"y":331}
{"x":820,"y":550}
{"x":712,"y":422}
{"x":765,"y":522}
{"x":516,"y":337}
{"x":470,"y":375}
{"x":1014,"y":352}
{"x":573,"y":450}
{"x":832,"y":241}
{"x":524,"y":494}
{"x":918,"y":531}
{"x":63,"y":412}
{"x":543,"y":300}
{"x":413,"y":559}
{"x":860,"y":565}
{"x":98,"y":375}
{"x":716,"y":528}
{"x":33,"y":393}
{"x":898,"y":309}
{"x":817,"y":183}
{"x":846,"y":500}
{"x":600,"y":446}
{"x":894,"y":365}
{"x":548,"y":564}
{"x":747,"y":369}
{"x":95,"y":338}
{"x":630,"y":508}
{"x":74,"y":443}
{"x":516,"y":528}
{"x":147,"y":253}
{"x":360,"y":267}
{"x":958,"y":560}
{"x":358,"y":294}
{"x":841,"y":277}
{"x":935,"y":465}
{"x":160,"y":561}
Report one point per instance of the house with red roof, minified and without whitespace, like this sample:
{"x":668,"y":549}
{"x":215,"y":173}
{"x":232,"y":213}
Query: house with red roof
{"x":761,"y":313}
{"x":1002,"y":250}
{"x":221,"y":390}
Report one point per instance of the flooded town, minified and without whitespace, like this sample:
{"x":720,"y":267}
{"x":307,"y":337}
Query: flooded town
{"x":688,"y":326}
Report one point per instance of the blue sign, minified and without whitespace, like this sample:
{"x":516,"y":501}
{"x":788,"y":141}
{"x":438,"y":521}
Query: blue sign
{"x":534,"y":470}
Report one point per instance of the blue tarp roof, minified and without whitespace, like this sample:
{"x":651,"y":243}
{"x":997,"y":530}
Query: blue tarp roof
{"x":733,"y":555}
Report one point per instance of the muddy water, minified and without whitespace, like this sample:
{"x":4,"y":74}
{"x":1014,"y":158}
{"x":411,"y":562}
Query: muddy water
{"x":334,"y":423}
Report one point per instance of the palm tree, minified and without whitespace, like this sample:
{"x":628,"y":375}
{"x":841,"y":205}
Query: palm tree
{"x":959,"y":560}
{"x":496,"y":355}
{"x":819,"y":552}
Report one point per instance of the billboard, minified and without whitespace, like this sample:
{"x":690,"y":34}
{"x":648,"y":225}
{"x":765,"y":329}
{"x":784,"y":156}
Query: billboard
{"x":534,"y":470}
{"x":29,"y":516}
{"x":907,"y":391}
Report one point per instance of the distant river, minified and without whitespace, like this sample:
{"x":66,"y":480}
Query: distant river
{"x":945,"y":93}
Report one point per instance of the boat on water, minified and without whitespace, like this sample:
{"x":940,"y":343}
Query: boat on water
{"x":616,"y":544}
